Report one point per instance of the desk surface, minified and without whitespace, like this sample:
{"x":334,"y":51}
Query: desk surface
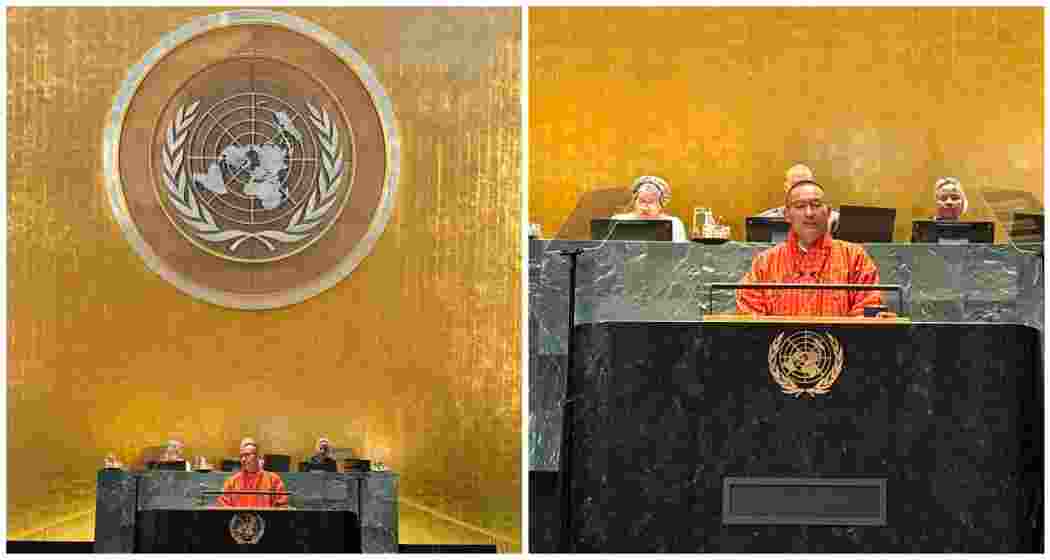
{"x":804,"y":320}
{"x":220,"y":508}
{"x":628,"y":281}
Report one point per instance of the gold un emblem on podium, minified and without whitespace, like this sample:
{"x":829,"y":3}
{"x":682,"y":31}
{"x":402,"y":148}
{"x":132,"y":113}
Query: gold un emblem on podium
{"x":805,"y":363}
{"x":247,"y":528}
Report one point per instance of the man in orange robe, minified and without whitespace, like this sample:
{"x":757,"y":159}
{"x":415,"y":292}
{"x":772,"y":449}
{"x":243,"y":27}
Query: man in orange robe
{"x":252,"y":477}
{"x":810,"y":256}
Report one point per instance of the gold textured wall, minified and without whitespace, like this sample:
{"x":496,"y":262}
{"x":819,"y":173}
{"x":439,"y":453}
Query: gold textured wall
{"x":413,"y":360}
{"x":879,"y":102}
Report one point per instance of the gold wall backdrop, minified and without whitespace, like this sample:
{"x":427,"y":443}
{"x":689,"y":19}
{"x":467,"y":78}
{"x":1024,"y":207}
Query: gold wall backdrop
{"x":414,"y":360}
{"x":880,"y":102}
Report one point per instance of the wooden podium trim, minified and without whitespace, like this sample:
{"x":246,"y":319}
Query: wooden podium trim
{"x":223,"y":508}
{"x":805,"y":320}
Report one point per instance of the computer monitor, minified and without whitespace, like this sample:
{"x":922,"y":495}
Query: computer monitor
{"x":307,"y":466}
{"x":357,"y":465}
{"x":1026,"y":227}
{"x":277,"y":463}
{"x":632,"y":230}
{"x":951,"y":232}
{"x":866,"y":224}
{"x":768,"y":230}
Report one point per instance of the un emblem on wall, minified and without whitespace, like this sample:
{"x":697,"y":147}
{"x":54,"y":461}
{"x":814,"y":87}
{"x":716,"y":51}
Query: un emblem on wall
{"x":805,"y":363}
{"x":247,"y":528}
{"x":252,"y":159}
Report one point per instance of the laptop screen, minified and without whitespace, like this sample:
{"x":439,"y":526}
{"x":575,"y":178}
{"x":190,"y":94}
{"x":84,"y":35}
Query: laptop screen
{"x":768,"y":230}
{"x":1026,"y":227}
{"x":951,"y":232}
{"x":307,"y":466}
{"x":866,"y":224}
{"x":632,"y":230}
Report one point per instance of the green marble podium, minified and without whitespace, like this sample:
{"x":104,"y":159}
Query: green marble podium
{"x":127,"y":499}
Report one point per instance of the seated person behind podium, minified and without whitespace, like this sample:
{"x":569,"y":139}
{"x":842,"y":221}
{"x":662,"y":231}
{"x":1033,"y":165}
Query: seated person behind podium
{"x":174,"y":453}
{"x":794,"y":174}
{"x":324,"y":453}
{"x":950,"y":199}
{"x":252,"y":477}
{"x":651,"y":194}
{"x":810,"y":256}
{"x":112,"y":462}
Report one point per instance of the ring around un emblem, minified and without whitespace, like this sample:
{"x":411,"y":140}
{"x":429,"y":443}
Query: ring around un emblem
{"x":805,"y":363}
{"x":247,"y":528}
{"x":251,"y":159}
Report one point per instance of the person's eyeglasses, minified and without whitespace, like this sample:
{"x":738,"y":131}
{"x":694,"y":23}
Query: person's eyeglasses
{"x":814,"y":204}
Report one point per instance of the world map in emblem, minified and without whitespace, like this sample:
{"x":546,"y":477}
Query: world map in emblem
{"x":247,"y":528}
{"x":805,"y":363}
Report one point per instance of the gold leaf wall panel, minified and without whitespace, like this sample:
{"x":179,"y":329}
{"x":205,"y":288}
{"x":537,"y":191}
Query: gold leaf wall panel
{"x":414,"y":360}
{"x":880,"y":102}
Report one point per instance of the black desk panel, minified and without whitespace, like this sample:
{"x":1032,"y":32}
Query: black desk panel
{"x":948,"y":416}
{"x":298,"y":531}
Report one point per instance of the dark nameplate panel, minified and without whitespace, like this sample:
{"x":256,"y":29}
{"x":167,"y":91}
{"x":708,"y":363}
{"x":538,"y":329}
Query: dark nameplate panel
{"x":803,"y":501}
{"x":181,"y":531}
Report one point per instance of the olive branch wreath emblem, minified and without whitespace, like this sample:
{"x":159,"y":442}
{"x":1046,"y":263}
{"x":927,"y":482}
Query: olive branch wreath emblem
{"x":788,"y":383}
{"x":197,"y":216}
{"x":247,"y":528}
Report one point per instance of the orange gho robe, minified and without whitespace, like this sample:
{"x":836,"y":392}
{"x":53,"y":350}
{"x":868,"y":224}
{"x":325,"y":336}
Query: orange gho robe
{"x":261,"y":480}
{"x":829,"y":261}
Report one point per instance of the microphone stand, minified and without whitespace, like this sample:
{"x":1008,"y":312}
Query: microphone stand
{"x":565,"y":474}
{"x":565,"y":471}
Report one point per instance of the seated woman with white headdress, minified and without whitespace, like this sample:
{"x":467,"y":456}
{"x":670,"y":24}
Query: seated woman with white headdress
{"x":651,"y":195}
{"x":950,"y":199}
